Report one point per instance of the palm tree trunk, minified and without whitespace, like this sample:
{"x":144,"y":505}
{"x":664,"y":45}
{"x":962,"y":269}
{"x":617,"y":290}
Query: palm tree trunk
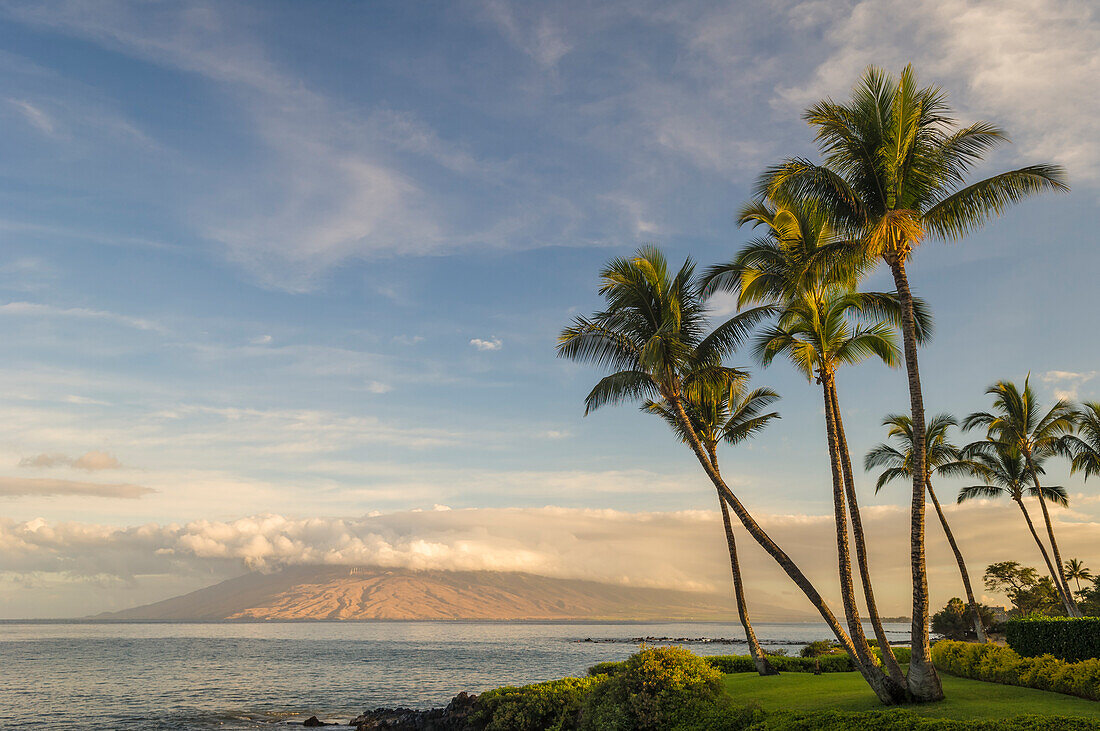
{"x":1038,"y":542}
{"x":844,"y":558}
{"x":884,"y":688}
{"x":759,"y":659}
{"x":1059,"y":577}
{"x":979,"y":628}
{"x":858,"y":538}
{"x":922,"y":680}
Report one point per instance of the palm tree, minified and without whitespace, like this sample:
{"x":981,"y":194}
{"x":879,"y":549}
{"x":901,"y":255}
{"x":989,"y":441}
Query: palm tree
{"x":726,"y":414}
{"x":895,"y":164}
{"x":652,"y":335}
{"x":943,"y":458}
{"x":1083,"y":447}
{"x":1075,"y":569}
{"x":815,"y":332}
{"x":786,"y":268}
{"x":1005,"y":473}
{"x":1017,"y":422}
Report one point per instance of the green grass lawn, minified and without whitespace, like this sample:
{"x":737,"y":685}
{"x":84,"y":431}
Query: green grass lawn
{"x":848,"y":692}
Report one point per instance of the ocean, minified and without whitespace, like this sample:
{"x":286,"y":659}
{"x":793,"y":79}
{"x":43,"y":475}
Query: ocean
{"x":231,"y":676}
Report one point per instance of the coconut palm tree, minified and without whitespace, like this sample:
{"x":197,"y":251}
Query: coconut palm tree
{"x":895,"y":172}
{"x":652,"y":336}
{"x":1017,"y":421}
{"x":787,"y":265}
{"x":818,"y":333}
{"x":1005,"y":473}
{"x":1075,"y":569}
{"x":1083,"y":447}
{"x":732,"y":415}
{"x":943,"y":458}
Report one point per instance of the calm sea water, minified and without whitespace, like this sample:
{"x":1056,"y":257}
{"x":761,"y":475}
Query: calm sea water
{"x":248,"y":676}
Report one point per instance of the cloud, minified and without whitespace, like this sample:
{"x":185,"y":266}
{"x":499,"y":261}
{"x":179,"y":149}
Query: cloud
{"x":33,"y":309}
{"x":682,"y":549}
{"x":486,"y":345}
{"x":539,"y":37}
{"x":1067,"y":382}
{"x":40,"y":487}
{"x":378,"y":387}
{"x":1044,"y":95}
{"x":91,"y":461}
{"x":34,"y":116}
{"x":261,"y":340}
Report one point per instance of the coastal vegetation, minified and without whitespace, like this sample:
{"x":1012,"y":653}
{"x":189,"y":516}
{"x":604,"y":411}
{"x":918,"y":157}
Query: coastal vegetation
{"x":894,"y":172}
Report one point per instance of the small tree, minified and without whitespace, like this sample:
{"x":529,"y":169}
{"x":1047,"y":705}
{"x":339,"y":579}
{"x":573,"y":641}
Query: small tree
{"x":1028,"y":592}
{"x":956,"y":621}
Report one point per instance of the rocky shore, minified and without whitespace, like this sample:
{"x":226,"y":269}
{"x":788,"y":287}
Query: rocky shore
{"x":455,"y":717}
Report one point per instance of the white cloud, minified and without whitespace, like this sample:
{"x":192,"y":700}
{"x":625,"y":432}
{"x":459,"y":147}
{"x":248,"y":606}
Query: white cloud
{"x":682,"y":549}
{"x":41,"y":487}
{"x":35,"y":116}
{"x":378,"y":387}
{"x":261,"y":340}
{"x":1067,"y":383}
{"x":539,"y":37}
{"x":486,"y":345}
{"x":33,"y":309}
{"x":1029,"y":65}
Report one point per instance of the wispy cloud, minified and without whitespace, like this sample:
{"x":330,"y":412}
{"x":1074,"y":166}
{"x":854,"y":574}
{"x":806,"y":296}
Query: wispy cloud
{"x":91,"y":461}
{"x":45,"y":487}
{"x":33,"y":309}
{"x":1067,"y":383}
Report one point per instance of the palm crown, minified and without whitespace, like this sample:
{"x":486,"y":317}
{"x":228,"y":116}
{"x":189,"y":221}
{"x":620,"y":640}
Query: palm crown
{"x":729,"y":413}
{"x":943,"y":456}
{"x":1005,"y":472}
{"x":896,"y":163}
{"x":1083,"y":448}
{"x":1018,"y":422}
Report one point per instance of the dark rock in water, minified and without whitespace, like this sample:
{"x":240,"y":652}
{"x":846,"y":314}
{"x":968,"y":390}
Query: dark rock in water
{"x":455,"y":717}
{"x":314,"y":722}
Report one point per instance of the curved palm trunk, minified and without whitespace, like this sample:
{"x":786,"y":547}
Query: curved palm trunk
{"x":759,"y":659}
{"x":1058,"y":576}
{"x":922,"y":680}
{"x":886,"y":691}
{"x":844,"y":558}
{"x":1038,"y":541}
{"x":888,"y":658}
{"x":979,"y":628}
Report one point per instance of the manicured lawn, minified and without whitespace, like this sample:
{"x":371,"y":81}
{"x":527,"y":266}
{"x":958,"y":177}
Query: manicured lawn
{"x":848,"y":692}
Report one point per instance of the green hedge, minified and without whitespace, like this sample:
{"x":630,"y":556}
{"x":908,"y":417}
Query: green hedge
{"x":996,"y":664}
{"x":898,"y":720}
{"x":1067,"y":638}
{"x":554,"y":705}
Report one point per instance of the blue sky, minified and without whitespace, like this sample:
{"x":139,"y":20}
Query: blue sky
{"x":311,"y":259}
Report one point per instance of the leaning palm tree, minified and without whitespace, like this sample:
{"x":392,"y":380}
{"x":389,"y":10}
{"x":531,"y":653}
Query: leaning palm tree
{"x":732,"y":415}
{"x":943,"y":458}
{"x":1076,"y":570}
{"x":1018,"y":422}
{"x":652,"y":336}
{"x":818,"y":333}
{"x":1083,"y":447}
{"x":786,"y":265}
{"x":894,"y":173}
{"x":1005,"y":473}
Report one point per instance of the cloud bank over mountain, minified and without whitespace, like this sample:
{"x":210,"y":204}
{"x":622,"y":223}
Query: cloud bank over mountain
{"x":673,"y":550}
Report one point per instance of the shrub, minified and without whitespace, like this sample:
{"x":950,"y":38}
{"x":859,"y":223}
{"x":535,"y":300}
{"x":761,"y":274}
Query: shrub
{"x":899,"y":720}
{"x":660,"y":688}
{"x":607,"y":668}
{"x":554,"y":705}
{"x":1003,"y":665}
{"x":1067,"y":638}
{"x":817,"y":648}
{"x":832,"y":663}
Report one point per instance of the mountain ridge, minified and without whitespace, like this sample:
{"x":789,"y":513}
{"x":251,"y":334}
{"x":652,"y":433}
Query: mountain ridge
{"x":374,"y":593}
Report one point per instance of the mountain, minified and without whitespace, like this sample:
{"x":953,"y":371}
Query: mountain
{"x":327,"y":592}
